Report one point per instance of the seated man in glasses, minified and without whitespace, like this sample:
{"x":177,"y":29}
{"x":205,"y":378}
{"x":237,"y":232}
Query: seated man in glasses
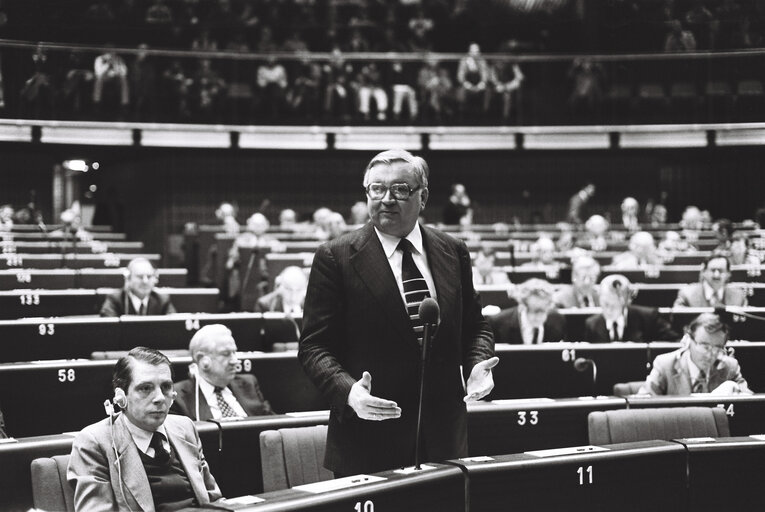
{"x":701,"y":365}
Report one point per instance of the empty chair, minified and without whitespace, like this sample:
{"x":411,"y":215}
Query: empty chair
{"x":627,"y":388}
{"x":630,"y":425}
{"x":293,"y":456}
{"x":50,"y":489}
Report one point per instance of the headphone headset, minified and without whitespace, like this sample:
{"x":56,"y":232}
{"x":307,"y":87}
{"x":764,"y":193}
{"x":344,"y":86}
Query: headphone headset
{"x":120,"y":400}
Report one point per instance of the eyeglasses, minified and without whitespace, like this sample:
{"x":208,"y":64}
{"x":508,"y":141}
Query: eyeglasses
{"x":399,"y":191}
{"x":709,"y":348}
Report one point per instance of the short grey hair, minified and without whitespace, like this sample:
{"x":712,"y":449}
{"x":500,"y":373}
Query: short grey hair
{"x":203,"y":339}
{"x":418,"y":165}
{"x":534,"y":287}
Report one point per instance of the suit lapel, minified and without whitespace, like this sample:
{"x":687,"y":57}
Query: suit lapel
{"x":374,"y":270}
{"x":131,"y":466}
{"x":204,"y":408}
{"x":444,"y":268}
{"x":681,"y":376}
{"x":515,"y":327}
{"x":187,"y":455}
{"x":602,"y":330}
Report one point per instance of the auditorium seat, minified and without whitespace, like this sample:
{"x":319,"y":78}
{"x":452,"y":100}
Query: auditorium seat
{"x":629,"y":425}
{"x":750,"y":99}
{"x":293,"y":456}
{"x":627,"y":388}
{"x":719,"y":100}
{"x":50,"y":489}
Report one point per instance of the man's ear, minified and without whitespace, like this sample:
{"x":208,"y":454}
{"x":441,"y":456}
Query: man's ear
{"x":424,"y":198}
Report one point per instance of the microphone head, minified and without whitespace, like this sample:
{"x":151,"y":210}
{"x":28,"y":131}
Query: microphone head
{"x":429,"y":311}
{"x":581,"y":364}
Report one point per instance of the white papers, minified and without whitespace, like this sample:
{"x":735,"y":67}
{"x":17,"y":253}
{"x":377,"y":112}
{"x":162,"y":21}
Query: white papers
{"x":339,"y":483}
{"x":574,"y":450}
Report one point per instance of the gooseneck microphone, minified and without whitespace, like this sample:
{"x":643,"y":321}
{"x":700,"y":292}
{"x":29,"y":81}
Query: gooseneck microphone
{"x":581,"y":364}
{"x":429,"y":313}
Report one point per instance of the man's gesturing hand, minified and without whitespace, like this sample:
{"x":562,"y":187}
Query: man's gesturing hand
{"x":368,"y":407}
{"x":481,"y":382}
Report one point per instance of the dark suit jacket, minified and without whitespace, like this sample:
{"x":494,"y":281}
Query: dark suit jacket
{"x":643,"y":325}
{"x":244,"y":387}
{"x":356,"y":321}
{"x":115,"y":304}
{"x":692,"y":296}
{"x":670,"y":375}
{"x":507,"y":326}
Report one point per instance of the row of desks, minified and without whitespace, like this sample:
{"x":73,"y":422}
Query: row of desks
{"x":73,"y":390}
{"x":232,"y":449}
{"x":31,"y":303}
{"x":15,"y":261}
{"x":64,"y":278}
{"x":53,"y":235}
{"x":58,"y":246}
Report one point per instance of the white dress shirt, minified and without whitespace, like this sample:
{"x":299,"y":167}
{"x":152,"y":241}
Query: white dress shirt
{"x":710,"y":293}
{"x":137,"y":303}
{"x":389,"y":245}
{"x":142,"y":437}
{"x":208,"y":391}
{"x":620,"y":322}
{"x":527,"y":331}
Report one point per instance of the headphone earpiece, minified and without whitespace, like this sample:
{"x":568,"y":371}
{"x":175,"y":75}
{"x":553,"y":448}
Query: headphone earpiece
{"x":119,"y":398}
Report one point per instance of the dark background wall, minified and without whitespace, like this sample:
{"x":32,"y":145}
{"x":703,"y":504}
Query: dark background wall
{"x":158,"y":190}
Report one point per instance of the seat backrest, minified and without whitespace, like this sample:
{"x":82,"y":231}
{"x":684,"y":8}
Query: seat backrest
{"x":629,"y":425}
{"x":627,"y":388}
{"x":293,"y":456}
{"x":50,"y":488}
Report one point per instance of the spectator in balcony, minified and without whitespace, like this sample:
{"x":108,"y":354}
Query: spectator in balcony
{"x":143,"y":85}
{"x":421,"y":27}
{"x":402,"y":80}
{"x":357,"y":42}
{"x":37,"y":94}
{"x":304,"y":95}
{"x":289,"y":295}
{"x":472,"y":79}
{"x":435,"y":90}
{"x":370,"y":85}
{"x":265,"y":42}
{"x":458,"y":210}
{"x":340,"y":93}
{"x":204,"y":42}
{"x":630,"y":211}
{"x":272,"y":86}
{"x":138,"y":297}
{"x":485,"y":270}
{"x":534,"y":320}
{"x":620,"y":320}
{"x":159,"y":13}
{"x":583,"y":291}
{"x":586,"y":87}
{"x":110,"y":71}
{"x":678,"y":39}
{"x":505,"y":78}
{"x":702,"y":23}
{"x":295,"y":43}
{"x":577,"y":204}
{"x":713,"y":288}
{"x":176,"y":86}
{"x":642,"y":251}
{"x":208,"y":90}
{"x":77,"y":89}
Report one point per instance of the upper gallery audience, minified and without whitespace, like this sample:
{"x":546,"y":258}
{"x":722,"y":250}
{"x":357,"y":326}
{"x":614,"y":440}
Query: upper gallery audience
{"x":582,"y":292}
{"x":214,"y":389}
{"x":472,"y":79}
{"x":701,"y":365}
{"x":484,"y":269}
{"x":142,"y":459}
{"x":534,"y":320}
{"x":289,"y":295}
{"x":620,"y":320}
{"x":713,"y":289}
{"x":138,"y":297}
{"x":642,"y":251}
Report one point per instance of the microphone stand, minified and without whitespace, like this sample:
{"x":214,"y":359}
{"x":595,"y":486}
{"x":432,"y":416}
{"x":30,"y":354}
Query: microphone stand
{"x":426,"y":335}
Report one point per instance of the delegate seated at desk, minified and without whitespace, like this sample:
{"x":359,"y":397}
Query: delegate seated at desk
{"x":700,"y":365}
{"x":713,"y":290}
{"x":583,"y":290}
{"x":621,"y":321}
{"x":142,"y":459}
{"x":219,"y":392}
{"x":289,"y":295}
{"x":534,"y":320}
{"x":138,"y":297}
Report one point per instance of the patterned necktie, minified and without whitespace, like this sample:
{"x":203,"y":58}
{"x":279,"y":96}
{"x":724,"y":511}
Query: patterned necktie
{"x":535,"y":336}
{"x":226,"y":411}
{"x":700,"y":386}
{"x":415,"y":287}
{"x":615,"y":334}
{"x":161,"y":454}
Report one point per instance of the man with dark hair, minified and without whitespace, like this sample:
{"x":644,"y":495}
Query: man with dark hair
{"x":141,"y":459}
{"x":215,"y":389}
{"x":713,"y":289}
{"x":138,"y":297}
{"x":701,"y":365}
{"x":361,"y":322}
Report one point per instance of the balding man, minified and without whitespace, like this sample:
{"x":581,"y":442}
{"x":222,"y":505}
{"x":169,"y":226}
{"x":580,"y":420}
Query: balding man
{"x":138,"y":297}
{"x":215,"y":389}
{"x":289,"y":295}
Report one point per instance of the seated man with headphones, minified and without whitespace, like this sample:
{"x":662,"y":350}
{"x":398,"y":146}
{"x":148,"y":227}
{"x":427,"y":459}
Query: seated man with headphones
{"x":701,"y":365}
{"x":620,"y":320}
{"x":142,"y":458}
{"x":138,"y":297}
{"x":215,"y":389}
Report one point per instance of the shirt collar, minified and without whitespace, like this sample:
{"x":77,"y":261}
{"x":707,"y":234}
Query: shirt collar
{"x":710,"y":292}
{"x":390,"y":242}
{"x":142,"y":437}
{"x":137,"y":303}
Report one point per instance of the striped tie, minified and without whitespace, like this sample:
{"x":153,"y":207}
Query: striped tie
{"x":415,"y":287}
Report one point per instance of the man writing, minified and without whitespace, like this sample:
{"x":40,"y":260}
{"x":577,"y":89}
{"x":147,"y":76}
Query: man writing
{"x":138,"y":297}
{"x":216,"y":390}
{"x":142,"y":459}
{"x":361,"y":334}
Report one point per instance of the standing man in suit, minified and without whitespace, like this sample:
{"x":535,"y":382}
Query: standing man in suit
{"x":713,"y":289}
{"x":620,"y":320}
{"x":582,"y":292}
{"x":534,"y":320}
{"x":138,"y":297}
{"x":701,"y":365}
{"x":142,"y":459}
{"x":361,"y":339}
{"x":215,"y":389}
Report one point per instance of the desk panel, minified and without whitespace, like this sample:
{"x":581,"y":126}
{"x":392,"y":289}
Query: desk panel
{"x":48,"y":303}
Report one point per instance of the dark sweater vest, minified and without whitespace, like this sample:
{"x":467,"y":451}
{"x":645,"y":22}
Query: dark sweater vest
{"x":170,"y":487}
